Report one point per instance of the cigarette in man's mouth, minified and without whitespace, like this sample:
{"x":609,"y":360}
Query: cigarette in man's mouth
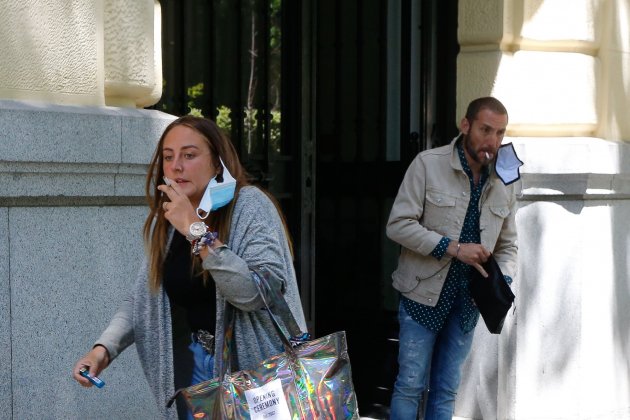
{"x":487,"y":155}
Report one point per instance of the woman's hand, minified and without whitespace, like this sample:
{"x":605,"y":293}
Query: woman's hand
{"x":179,"y":210}
{"x":95,"y":360}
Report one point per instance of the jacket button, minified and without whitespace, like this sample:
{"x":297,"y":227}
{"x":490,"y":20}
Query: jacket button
{"x":430,"y":300}
{"x":464,"y":193}
{"x":417,"y":278}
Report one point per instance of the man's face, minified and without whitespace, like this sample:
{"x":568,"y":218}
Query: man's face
{"x":483,"y":136}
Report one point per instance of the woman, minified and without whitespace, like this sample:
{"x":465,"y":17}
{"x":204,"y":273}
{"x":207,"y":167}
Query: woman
{"x":177,"y":302}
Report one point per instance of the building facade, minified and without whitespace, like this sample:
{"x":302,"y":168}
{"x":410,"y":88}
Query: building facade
{"x":327,"y":103}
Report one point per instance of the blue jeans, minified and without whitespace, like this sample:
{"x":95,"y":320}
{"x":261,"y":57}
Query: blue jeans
{"x":424,"y":355}
{"x":202,"y":367}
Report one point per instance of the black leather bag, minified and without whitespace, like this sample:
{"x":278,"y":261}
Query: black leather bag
{"x":492,"y":295}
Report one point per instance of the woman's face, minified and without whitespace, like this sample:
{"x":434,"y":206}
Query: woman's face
{"x":187,"y":160}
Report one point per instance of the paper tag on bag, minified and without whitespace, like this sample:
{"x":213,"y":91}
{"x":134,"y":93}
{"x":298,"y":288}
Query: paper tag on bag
{"x":268,"y":402}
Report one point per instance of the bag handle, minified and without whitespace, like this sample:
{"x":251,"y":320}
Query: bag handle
{"x":290,"y":338}
{"x":278,"y":302}
{"x":294,"y":336}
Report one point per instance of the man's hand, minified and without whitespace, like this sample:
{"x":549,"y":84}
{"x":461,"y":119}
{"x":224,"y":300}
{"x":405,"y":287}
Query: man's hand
{"x":471,"y":254}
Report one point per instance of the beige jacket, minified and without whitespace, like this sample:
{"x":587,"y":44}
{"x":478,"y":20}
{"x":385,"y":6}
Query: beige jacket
{"x":432,"y":203}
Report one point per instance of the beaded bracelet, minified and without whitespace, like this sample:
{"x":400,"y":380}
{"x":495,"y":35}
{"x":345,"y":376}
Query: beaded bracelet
{"x":207,"y":239}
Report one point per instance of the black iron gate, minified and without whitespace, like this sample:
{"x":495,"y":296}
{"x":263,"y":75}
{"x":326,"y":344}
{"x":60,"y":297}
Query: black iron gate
{"x":383,"y":94}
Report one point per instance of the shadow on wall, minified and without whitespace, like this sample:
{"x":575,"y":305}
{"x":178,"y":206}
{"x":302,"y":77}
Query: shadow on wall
{"x":615,"y":93}
{"x":620,"y":234}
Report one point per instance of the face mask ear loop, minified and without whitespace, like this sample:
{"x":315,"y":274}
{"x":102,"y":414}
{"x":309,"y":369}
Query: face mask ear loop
{"x":199,"y":214}
{"x":203,"y":211}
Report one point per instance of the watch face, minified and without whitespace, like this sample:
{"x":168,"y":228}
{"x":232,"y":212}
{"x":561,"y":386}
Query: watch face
{"x":198,"y":228}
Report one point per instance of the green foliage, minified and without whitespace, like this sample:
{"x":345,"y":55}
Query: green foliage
{"x":223,"y":118}
{"x":194,"y":92}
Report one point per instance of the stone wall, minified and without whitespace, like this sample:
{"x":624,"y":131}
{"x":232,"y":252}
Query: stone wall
{"x":561,"y":68}
{"x":71,"y":212}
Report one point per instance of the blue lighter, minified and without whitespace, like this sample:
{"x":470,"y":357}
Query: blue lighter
{"x":94,"y":379}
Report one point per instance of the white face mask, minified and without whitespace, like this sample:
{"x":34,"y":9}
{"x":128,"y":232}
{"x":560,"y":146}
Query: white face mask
{"x":217,"y":194}
{"x":507,"y":164}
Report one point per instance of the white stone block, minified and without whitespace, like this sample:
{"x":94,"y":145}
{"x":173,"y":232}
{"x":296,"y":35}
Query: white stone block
{"x":574,"y":155}
{"x":65,"y":289}
{"x":572,"y":334}
{"x":549,"y":89}
{"x":130,"y":70}
{"x":614,"y":93}
{"x":476,"y":76}
{"x":558,"y":20}
{"x":92,"y":52}
{"x":481,"y":22}
{"x":52,"y":51}
{"x":616,"y":26}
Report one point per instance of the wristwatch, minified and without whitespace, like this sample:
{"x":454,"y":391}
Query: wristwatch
{"x":196,"y":231}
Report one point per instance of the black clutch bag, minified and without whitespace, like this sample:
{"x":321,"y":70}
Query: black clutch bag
{"x":492,"y":295}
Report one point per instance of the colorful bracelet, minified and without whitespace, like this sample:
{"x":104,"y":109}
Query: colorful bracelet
{"x":207,"y":239}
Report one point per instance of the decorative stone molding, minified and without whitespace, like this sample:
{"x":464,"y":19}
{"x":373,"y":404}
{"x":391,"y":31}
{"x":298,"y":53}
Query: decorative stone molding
{"x":559,"y":66}
{"x":91,"y":52}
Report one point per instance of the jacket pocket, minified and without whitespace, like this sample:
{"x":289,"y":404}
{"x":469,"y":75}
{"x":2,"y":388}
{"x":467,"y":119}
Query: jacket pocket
{"x":500,"y":211}
{"x":438,"y":210}
{"x":491,"y":223}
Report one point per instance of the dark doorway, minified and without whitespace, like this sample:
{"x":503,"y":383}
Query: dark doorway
{"x":385,"y":91}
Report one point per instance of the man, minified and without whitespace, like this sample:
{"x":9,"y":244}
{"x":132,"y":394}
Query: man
{"x":450,"y":213}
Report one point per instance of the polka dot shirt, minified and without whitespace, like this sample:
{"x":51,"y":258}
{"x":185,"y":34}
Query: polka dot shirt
{"x":455,"y":288}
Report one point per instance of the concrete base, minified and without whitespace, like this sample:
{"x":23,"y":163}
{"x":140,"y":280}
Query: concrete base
{"x":563,"y":351}
{"x":71,"y":214}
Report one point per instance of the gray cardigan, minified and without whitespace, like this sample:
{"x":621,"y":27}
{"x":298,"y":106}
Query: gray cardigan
{"x":256,"y":239}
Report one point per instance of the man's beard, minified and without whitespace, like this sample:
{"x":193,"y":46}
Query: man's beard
{"x":473,"y":154}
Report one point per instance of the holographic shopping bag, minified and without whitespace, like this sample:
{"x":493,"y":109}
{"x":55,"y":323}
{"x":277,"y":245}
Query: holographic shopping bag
{"x":310,"y":380}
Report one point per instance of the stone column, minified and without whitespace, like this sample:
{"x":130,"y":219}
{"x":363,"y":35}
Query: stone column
{"x":133,"y":75}
{"x":52,"y":51}
{"x":92,"y":52}
{"x":561,"y":67}
{"x":73,"y":159}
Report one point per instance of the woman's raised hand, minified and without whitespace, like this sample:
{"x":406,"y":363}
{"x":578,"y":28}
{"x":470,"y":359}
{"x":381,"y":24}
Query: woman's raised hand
{"x":179,"y":210}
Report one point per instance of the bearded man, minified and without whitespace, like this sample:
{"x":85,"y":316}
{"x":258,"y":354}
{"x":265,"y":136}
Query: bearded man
{"x":451,"y":212}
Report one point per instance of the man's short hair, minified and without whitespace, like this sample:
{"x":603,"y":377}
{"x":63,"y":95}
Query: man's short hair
{"x":487,"y":102}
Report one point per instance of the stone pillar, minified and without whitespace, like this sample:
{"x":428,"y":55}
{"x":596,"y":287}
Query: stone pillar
{"x":72,"y":206}
{"x":92,"y":52}
{"x":561,"y":67}
{"x":52,"y":51}
{"x":133,"y":76}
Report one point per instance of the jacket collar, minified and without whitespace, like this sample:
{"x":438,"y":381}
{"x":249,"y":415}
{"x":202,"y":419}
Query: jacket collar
{"x":455,"y":162}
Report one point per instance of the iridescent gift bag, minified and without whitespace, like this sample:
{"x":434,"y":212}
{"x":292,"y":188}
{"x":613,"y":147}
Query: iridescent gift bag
{"x":310,"y":380}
